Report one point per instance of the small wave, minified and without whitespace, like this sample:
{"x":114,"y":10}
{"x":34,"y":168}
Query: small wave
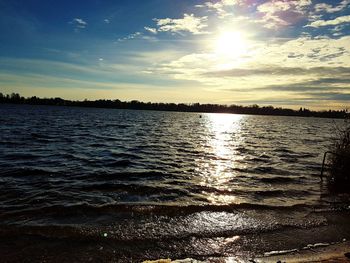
{"x":41,"y":136}
{"x":206,"y":189}
{"x":280,"y":252}
{"x":283,"y":150}
{"x":270,"y":193}
{"x":279,"y":179}
{"x":288,"y":158}
{"x":140,"y":190}
{"x":260,"y":160}
{"x":277,"y":193}
{"x":14,"y":144}
{"x":119,"y":163}
{"x":244,"y":150}
{"x":22,"y":156}
{"x":130,"y":176}
{"x":269,"y":170}
{"x":311,"y":246}
{"x":97,"y":145}
{"x":116,"y":208}
{"x":22,"y":172}
{"x":125,"y":155}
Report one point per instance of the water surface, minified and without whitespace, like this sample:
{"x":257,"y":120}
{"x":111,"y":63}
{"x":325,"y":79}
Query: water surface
{"x":150,"y":177}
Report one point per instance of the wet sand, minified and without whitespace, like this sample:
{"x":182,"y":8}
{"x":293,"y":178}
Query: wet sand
{"x":329,"y":253}
{"x":76,"y":244}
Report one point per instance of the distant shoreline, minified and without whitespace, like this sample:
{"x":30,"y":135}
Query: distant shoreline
{"x":15,"y":98}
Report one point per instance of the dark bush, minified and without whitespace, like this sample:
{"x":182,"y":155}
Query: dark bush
{"x":339,"y":161}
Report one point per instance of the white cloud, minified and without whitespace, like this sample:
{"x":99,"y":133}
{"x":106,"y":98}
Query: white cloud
{"x":189,"y":23}
{"x":333,"y":22}
{"x":273,"y":7}
{"x":131,"y":36}
{"x":323,"y":7}
{"x":282,"y":13}
{"x":268,"y":64}
{"x":137,"y":35}
{"x":79,"y":23}
{"x":221,"y":6}
{"x":151,"y":29}
{"x":107,"y":21}
{"x":338,"y":28}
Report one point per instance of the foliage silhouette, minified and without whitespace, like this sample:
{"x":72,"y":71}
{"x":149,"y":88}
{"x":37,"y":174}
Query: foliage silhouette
{"x":339,"y":179}
{"x":180,"y":107}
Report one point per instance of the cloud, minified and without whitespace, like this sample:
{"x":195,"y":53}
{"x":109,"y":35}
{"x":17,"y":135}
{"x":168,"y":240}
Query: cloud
{"x":320,"y":93}
{"x":323,"y":7}
{"x":317,"y":80}
{"x":221,"y":6}
{"x":92,"y":74}
{"x":131,"y":36}
{"x":331,"y":96}
{"x":339,"y":82}
{"x":317,"y":55}
{"x":329,"y":89}
{"x":151,"y":29}
{"x":279,"y":70}
{"x":270,"y":71}
{"x":189,"y":23}
{"x":107,"y":21}
{"x":137,"y":35}
{"x":338,"y":28}
{"x":279,"y":13}
{"x":333,"y":22}
{"x":79,"y":23}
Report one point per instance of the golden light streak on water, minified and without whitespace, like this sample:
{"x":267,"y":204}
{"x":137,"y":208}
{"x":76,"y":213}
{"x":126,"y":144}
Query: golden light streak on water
{"x":217,"y":169}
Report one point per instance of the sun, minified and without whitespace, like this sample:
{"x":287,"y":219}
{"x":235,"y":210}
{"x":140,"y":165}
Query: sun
{"x":230,"y":44}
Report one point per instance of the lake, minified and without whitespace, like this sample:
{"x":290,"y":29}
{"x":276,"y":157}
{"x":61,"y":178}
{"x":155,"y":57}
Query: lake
{"x":121,"y":185}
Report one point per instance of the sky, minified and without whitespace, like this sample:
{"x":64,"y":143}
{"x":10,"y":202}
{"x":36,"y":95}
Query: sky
{"x":284,"y":53}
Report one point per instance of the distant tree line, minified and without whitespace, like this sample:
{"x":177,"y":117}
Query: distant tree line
{"x":15,"y":98}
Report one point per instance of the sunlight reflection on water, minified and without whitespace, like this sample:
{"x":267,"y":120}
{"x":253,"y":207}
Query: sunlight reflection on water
{"x":223,"y":135}
{"x":159,"y":158}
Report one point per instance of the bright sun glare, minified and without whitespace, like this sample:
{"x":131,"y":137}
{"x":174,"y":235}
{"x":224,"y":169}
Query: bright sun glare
{"x":231,"y":44}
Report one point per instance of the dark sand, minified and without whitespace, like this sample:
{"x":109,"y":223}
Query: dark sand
{"x":331,"y":253}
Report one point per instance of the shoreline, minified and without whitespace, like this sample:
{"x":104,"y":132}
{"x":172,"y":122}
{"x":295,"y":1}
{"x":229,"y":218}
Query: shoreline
{"x":314,"y":253}
{"x":330,"y":253}
{"x":190,"y":108}
{"x":324,"y":242}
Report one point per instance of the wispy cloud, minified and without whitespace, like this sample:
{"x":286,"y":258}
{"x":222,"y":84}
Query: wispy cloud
{"x":323,"y":7}
{"x":288,"y":69}
{"x":273,"y":70}
{"x":189,"y":23}
{"x":131,"y":36}
{"x":337,"y":21}
{"x":307,"y":51}
{"x":220,"y":7}
{"x":279,"y":13}
{"x":78,"y":23}
{"x":139,"y":36}
{"x":280,"y":51}
{"x":320,"y":84}
{"x":151,"y":29}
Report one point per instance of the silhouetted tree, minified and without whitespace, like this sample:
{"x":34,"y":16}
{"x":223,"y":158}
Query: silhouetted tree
{"x":181,"y":107}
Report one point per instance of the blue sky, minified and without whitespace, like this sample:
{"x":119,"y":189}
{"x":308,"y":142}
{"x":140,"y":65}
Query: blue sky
{"x":270,"y":52}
